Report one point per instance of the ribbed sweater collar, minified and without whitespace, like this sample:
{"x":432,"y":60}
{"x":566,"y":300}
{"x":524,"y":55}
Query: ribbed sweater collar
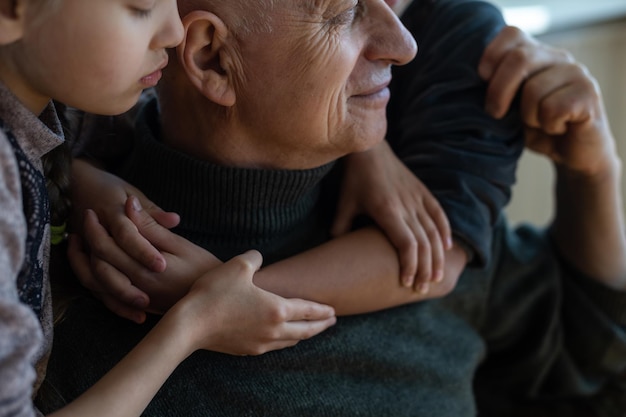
{"x":219,"y":204}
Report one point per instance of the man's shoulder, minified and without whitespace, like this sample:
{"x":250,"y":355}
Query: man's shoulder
{"x":441,"y":18}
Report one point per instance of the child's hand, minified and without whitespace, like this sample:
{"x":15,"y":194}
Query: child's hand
{"x":378,"y":184}
{"x":114,"y":277}
{"x":106,"y":194}
{"x":225,"y":312}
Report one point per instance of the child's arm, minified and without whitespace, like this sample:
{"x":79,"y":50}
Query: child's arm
{"x":379,"y":185}
{"x":354,"y":273}
{"x":223,"y":311}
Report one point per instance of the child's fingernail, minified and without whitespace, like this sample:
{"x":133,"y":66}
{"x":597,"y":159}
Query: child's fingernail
{"x":158,"y":264}
{"x":438,"y":277}
{"x":407,"y":281}
{"x":140,"y":302}
{"x":423,"y":288}
{"x":136,"y":204}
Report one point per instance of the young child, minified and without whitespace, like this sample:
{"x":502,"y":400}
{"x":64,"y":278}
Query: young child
{"x":98,"y":56}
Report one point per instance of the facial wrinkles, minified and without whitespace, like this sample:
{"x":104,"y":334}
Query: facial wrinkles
{"x":328,"y":47}
{"x":309,"y":53}
{"x":319,"y":39}
{"x":301,"y":37}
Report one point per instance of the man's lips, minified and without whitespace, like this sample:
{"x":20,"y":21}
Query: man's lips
{"x":375,"y":90}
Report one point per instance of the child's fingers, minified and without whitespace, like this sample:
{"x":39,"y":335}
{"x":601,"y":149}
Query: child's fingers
{"x":403,"y":238}
{"x":110,"y":265}
{"x":424,"y":272}
{"x":437,"y":254}
{"x":150,"y":234}
{"x":305,"y":319}
{"x":440,"y":219}
{"x":123,"y":310}
{"x":422,"y":227}
{"x":127,"y":237}
{"x":166,"y":219}
{"x":104,"y":246}
{"x":296,"y":331}
{"x":432,"y":267}
{"x":441,"y":239}
{"x":245,"y":264}
{"x":299,"y":310}
{"x":81,"y":265}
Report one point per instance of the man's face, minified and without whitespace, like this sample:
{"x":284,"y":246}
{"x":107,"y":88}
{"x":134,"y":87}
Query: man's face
{"x":315,"y":86}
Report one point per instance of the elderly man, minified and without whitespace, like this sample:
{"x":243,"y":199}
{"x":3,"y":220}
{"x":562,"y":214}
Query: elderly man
{"x":251,"y":122}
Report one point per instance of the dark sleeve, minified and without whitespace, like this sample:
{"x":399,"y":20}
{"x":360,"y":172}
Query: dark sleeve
{"x":556,"y":338}
{"x":437,"y":122}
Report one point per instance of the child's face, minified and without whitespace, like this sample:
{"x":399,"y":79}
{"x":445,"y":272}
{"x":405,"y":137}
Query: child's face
{"x":96,"y":55}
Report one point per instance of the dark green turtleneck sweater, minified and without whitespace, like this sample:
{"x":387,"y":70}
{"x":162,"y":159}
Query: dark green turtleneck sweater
{"x":523,"y":328}
{"x":230,"y":210}
{"x":415,"y":360}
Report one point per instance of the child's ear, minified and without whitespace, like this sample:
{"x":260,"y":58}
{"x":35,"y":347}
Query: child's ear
{"x":204,"y":58}
{"x":11,"y":20}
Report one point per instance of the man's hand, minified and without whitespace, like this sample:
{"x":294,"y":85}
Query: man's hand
{"x":561,"y":107}
{"x":560,"y":102}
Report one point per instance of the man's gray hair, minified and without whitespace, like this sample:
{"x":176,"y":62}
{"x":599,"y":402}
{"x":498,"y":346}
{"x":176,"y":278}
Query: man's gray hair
{"x":243,"y":17}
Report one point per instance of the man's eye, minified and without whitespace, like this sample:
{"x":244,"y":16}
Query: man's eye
{"x":346,"y":17}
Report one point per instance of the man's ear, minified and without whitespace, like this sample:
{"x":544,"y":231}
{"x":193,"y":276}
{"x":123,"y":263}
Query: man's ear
{"x":203,"y":56}
{"x":11,"y":20}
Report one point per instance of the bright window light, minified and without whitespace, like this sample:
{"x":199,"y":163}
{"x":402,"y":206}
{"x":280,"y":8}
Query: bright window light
{"x":532,"y":19}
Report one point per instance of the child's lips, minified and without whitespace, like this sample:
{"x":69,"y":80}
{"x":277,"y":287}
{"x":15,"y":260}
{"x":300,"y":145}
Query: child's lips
{"x":153,"y":78}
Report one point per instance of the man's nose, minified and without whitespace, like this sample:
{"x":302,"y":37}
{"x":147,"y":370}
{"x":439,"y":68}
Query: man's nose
{"x":389,"y":40}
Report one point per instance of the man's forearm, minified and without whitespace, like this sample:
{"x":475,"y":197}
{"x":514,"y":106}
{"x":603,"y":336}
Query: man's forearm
{"x":356,"y":273}
{"x":589,"y":225}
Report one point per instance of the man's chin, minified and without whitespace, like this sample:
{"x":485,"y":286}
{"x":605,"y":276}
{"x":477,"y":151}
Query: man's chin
{"x":369,"y":141}
{"x":371,"y":144}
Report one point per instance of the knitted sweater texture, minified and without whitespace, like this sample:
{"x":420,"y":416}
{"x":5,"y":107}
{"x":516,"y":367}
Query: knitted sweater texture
{"x":415,"y":360}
